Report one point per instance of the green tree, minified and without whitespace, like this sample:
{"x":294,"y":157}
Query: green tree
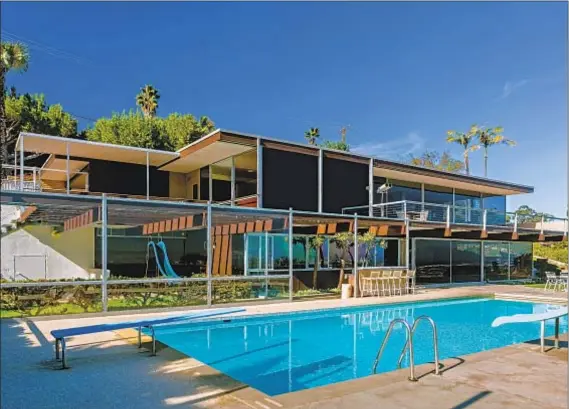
{"x":528,"y":215}
{"x":13,"y":57}
{"x":312,"y":135}
{"x":316,"y":243}
{"x":488,"y":137}
{"x":464,"y":140}
{"x":343,"y":242}
{"x":147,"y":100}
{"x":31,"y":113}
{"x":338,"y":145}
{"x":134,"y":129}
{"x":435,"y":160}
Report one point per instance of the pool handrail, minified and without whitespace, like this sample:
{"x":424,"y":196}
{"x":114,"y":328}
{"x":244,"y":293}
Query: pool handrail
{"x":61,"y":334}
{"x":435,"y":341}
{"x":556,"y":314}
{"x":409,"y":339}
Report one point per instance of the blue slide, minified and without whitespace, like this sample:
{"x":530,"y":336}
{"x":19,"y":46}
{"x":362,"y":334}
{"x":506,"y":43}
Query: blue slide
{"x":167,"y":270}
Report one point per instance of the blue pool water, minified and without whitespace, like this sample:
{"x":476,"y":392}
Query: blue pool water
{"x":283,"y":353}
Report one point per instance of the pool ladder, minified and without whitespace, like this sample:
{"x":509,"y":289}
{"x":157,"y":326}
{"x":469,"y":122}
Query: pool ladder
{"x":409,"y":345}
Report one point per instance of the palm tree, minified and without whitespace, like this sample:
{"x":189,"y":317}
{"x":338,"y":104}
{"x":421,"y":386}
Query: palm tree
{"x":312,"y":135}
{"x":147,"y":100}
{"x":13,"y":57}
{"x":488,"y":137}
{"x":464,"y":140}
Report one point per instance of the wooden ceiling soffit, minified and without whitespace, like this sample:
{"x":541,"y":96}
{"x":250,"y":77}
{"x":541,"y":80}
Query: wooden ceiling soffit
{"x":290,"y":148}
{"x":238,"y":139}
{"x":346,"y":157}
{"x":200,"y":145}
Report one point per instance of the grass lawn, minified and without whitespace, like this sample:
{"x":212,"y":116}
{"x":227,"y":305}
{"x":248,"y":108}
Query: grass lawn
{"x":535,"y":285}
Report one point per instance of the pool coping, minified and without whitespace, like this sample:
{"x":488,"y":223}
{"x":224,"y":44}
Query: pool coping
{"x":319,"y":393}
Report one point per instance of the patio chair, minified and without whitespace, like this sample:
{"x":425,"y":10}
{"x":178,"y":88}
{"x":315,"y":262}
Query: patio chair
{"x":410,"y":282}
{"x":375,"y":277}
{"x":386,"y":282}
{"x":562,"y":281}
{"x":396,"y":281}
{"x":551,"y":281}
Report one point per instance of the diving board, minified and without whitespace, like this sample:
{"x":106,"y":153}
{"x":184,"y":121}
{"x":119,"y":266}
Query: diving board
{"x":61,"y":334}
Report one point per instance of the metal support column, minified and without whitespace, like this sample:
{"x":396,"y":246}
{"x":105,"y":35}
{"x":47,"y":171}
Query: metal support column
{"x":320,"y":178}
{"x":233,"y":181}
{"x":356,"y":286}
{"x":407,"y":244}
{"x":104,"y":219}
{"x":147,"y":176}
{"x":209,"y":252}
{"x":21,"y":162}
{"x":370,"y":184}
{"x":67,"y":165}
{"x":259,"y":173}
{"x":210,"y":183}
{"x":290,"y":255}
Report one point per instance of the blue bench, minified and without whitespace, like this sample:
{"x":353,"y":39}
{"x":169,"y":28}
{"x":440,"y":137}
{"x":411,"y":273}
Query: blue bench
{"x":61,"y":334}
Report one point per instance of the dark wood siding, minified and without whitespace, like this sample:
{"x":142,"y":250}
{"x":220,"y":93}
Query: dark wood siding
{"x":290,"y":179}
{"x":126,"y":178}
{"x":344,"y":185}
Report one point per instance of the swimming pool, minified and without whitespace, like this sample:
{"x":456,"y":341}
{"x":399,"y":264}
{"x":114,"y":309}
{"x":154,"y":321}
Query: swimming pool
{"x":282,"y":353}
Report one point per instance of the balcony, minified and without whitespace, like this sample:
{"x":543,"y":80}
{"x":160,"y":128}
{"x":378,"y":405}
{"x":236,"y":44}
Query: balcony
{"x":447,"y":215}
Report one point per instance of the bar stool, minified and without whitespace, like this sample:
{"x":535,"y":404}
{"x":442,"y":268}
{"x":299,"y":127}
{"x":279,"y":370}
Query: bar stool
{"x":375,"y":278}
{"x":386,"y":282}
{"x":410,"y":281}
{"x":396,"y":281}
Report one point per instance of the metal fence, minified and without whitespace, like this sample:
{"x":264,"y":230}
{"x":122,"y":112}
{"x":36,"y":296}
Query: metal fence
{"x":110,"y":254}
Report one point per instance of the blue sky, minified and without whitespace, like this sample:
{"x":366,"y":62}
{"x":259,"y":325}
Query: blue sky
{"x":400,"y":74}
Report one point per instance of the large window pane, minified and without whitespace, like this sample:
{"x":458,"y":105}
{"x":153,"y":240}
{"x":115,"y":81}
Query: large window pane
{"x":400,"y":190}
{"x":221,"y":180}
{"x":466,"y":259}
{"x":467,"y":207}
{"x":521,"y":256}
{"x":246,"y":174}
{"x":279,"y":247}
{"x":432,"y":261}
{"x":496,"y":260}
{"x":496,"y":209}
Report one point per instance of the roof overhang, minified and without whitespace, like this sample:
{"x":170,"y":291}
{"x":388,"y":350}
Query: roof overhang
{"x":78,"y":148}
{"x":208,"y":150}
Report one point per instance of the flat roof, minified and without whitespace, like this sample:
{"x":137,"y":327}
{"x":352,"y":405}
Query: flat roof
{"x":57,"y":145}
{"x":222,"y":143}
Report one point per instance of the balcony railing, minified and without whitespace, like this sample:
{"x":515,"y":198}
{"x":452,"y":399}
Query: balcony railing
{"x":449,"y":214}
{"x":34,"y":179}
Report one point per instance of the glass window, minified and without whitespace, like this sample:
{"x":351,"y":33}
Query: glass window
{"x":246,"y":174}
{"x":466,"y":259}
{"x":467,"y":207}
{"x":299,"y":252}
{"x":496,"y":260}
{"x":255,"y":253}
{"x":521,"y":258}
{"x":438,"y":194}
{"x":279,"y":253}
{"x":432,"y":261}
{"x":496,"y":206}
{"x":221,"y":180}
{"x":381,"y":253}
{"x":400,"y":190}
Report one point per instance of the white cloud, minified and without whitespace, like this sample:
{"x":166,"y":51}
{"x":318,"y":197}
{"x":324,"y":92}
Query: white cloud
{"x":392,"y":149}
{"x":510,"y":87}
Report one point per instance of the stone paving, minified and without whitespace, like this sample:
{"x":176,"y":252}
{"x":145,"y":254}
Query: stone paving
{"x":108,"y":371}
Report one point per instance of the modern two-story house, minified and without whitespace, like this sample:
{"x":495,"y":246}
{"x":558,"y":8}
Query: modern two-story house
{"x":450,"y":227}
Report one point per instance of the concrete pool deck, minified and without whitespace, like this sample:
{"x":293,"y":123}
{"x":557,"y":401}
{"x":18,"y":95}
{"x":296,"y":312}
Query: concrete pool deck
{"x":108,"y":371}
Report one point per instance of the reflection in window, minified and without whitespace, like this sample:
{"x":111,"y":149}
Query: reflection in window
{"x":496,"y":260}
{"x":382,"y":253}
{"x":521,"y":260}
{"x":496,"y":210}
{"x":324,"y":252}
{"x":246,"y":174}
{"x":467,"y":207}
{"x":465,"y":261}
{"x":432,"y":261}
